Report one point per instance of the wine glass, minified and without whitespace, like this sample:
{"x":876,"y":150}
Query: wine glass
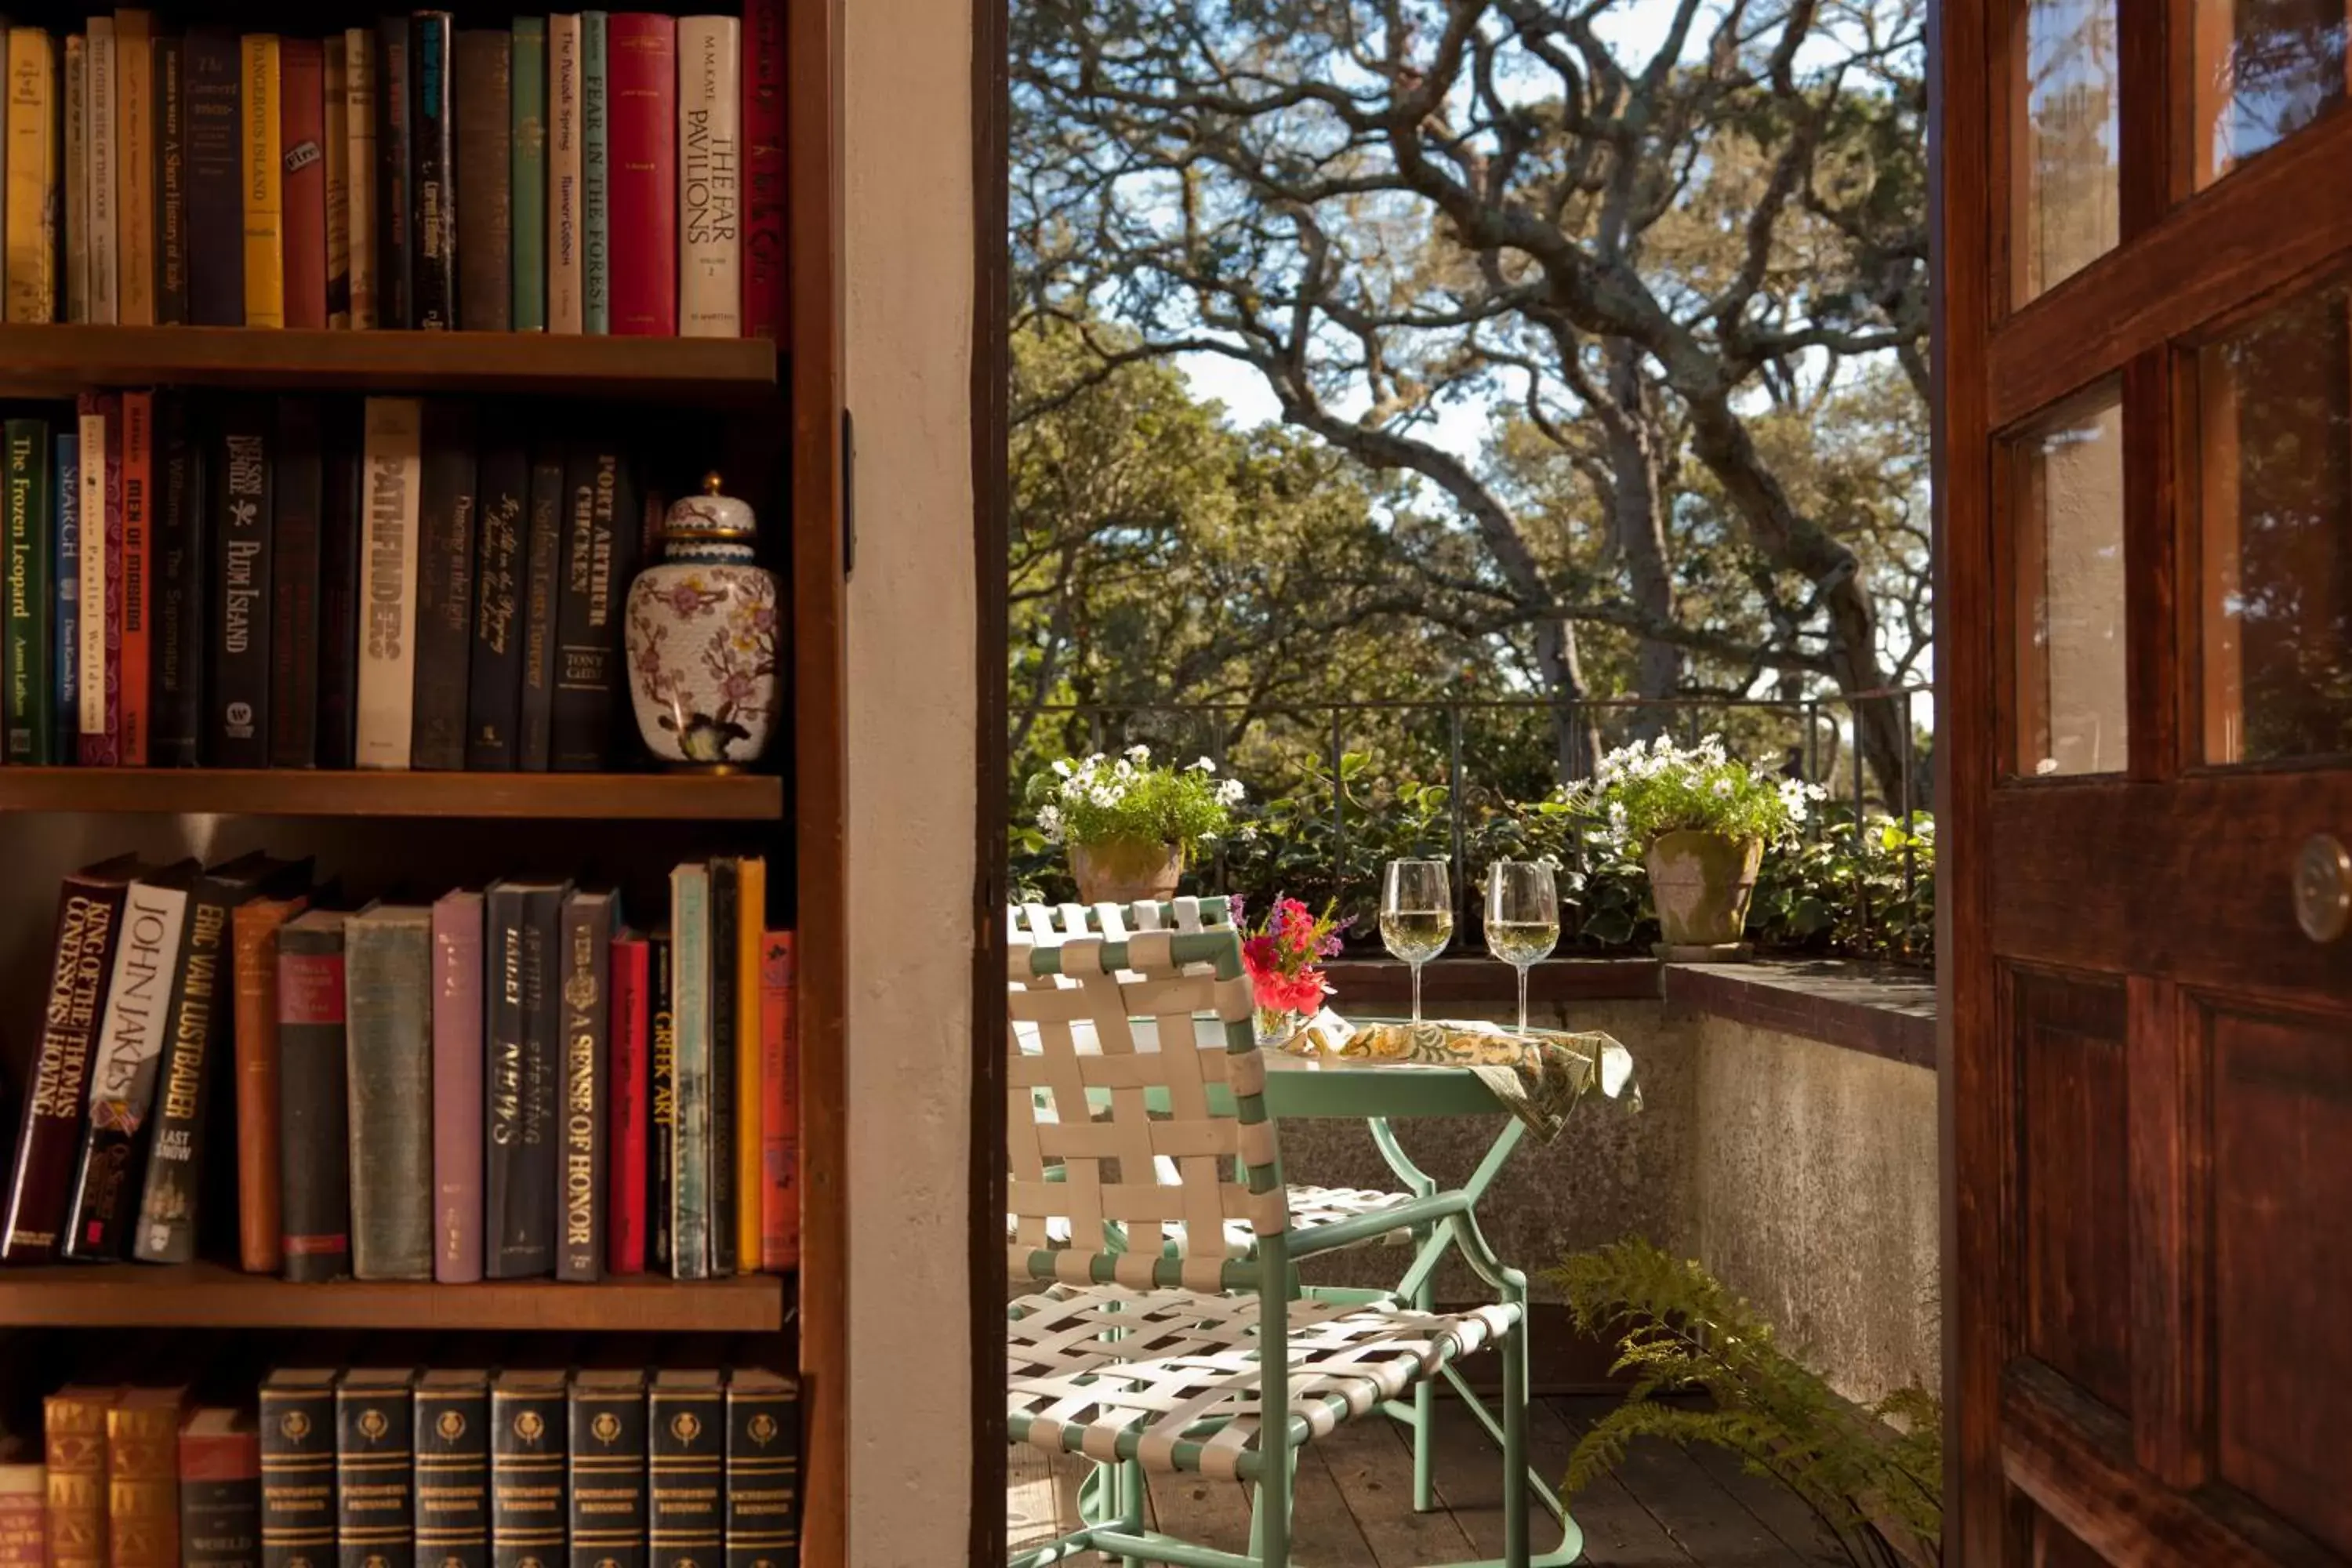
{"x":1522,"y":919}
{"x":1416,"y":916}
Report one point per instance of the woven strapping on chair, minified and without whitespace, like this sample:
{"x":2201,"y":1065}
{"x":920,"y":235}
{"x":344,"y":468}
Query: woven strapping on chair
{"x":1179,"y":1370}
{"x":1311,"y":1208}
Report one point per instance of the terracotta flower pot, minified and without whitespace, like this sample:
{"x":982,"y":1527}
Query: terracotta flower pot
{"x":1701,"y":883}
{"x":1123,"y":871}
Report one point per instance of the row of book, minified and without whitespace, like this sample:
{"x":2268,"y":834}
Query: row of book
{"x":500,"y":1084}
{"x":389,"y":1467}
{"x":308,"y":582}
{"x":585,"y":173}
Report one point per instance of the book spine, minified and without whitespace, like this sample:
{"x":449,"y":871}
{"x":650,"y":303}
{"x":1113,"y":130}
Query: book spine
{"x":74,"y":1422}
{"x":494,"y":662}
{"x":596,"y":178}
{"x":599,"y":560}
{"x":359,"y":162}
{"x":112,"y":541}
{"x":507,"y":1248}
{"x":182,"y":534}
{"x":298,"y":1474}
{"x":31,"y":241}
{"x":625,"y":1248}
{"x":586,"y":997}
{"x":563,"y":134}
{"x":432,"y":183}
{"x":527,"y":243}
{"x":742,"y":971}
{"x":77,"y":178}
{"x":453,"y":1474}
{"x":445,"y":588}
{"x":65,"y":723}
{"x":542,"y":1070}
{"x":32,"y":701}
{"x":171,"y":182}
{"x":98,"y":136}
{"x":762,"y":1471}
{"x":94,"y":413}
{"x":90,"y":917}
{"x":482,"y":107}
{"x":780,"y":1198}
{"x":339,"y":591}
{"x":389,"y":967}
{"x":243,"y":517}
{"x":216,"y":94}
{"x":134,"y":132}
{"x":726,"y":1122}
{"x":143,"y":1484}
{"x":302,"y":131}
{"x":641,"y":122}
{"x":313,"y":1104}
{"x":661,"y":1101}
{"x":253,"y":937}
{"x":396,"y":152}
{"x":374,"y":1426}
{"x":220,"y":1502}
{"x":686,"y":1441}
{"x":691,"y":1064}
{"x":134,"y":712}
{"x":607,"y":1475}
{"x":166,"y":1231}
{"x":297,"y":500}
{"x":458,"y":1069}
{"x":122,"y":1073}
{"x":24,"y":1515}
{"x":529,"y":1509}
{"x":387,"y":641}
{"x":766,"y":278}
{"x":542,"y":578}
{"x":262,"y":158}
{"x":335,"y":156}
{"x":709,"y":193}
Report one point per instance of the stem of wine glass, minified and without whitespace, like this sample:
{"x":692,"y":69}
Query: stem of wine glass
{"x":1416,"y":993}
{"x":1523,"y":996}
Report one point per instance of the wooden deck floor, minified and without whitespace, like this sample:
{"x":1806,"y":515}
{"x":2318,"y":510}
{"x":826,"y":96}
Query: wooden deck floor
{"x":1665,"y":1508}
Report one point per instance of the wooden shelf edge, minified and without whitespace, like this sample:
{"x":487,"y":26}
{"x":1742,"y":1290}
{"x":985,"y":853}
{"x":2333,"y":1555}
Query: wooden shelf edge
{"x":290,"y":792}
{"x":211,"y":1296}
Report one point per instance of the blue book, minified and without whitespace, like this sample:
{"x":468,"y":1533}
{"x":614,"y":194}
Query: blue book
{"x":691,"y":1064}
{"x":596,"y":269}
{"x":66,"y":584}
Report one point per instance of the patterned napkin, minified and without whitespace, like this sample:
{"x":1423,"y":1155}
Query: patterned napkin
{"x":1540,"y":1074}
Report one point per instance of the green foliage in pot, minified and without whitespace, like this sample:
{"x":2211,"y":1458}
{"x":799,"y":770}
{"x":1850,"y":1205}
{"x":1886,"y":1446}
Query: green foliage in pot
{"x":1640,"y":790}
{"x":1128,"y":799}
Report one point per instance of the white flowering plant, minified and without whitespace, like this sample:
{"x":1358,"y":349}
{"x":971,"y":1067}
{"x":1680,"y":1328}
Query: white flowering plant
{"x":1127,"y":797}
{"x":1649,"y":788}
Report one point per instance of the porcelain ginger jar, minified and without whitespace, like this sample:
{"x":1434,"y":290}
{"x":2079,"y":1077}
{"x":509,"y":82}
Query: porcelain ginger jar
{"x":704,"y":625}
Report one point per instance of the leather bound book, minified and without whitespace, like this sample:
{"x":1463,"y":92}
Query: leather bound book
{"x":779,"y":1197}
{"x":297,"y":1468}
{"x":444,"y":587}
{"x":243,"y":467}
{"x":628,"y":1086}
{"x":726,"y":1118}
{"x":585,"y":1000}
{"x":171,"y":98}
{"x":522,"y":930}
{"x":457,"y":1067}
{"x":302,"y":135}
{"x":600,"y":557}
{"x":74,"y":1424}
{"x":767,"y":299}
{"x":133,"y":714}
{"x":216,"y":179}
{"x":661,"y":1101}
{"x":142,"y":1479}
{"x":177,"y":647}
{"x":220,"y":1490}
{"x":494,"y":662}
{"x":484,"y":109}
{"x":395,"y":216}
{"x":686,"y":1435}
{"x":24,"y":1514}
{"x":543,"y":1061}
{"x":261,"y":156}
{"x":544,"y":548}
{"x":608,"y":1469}
{"x":134,"y":144}
{"x":742,"y":970}
{"x":313,"y":1103}
{"x":452,"y":1468}
{"x":388,"y":969}
{"x":763,"y":1469}
{"x":527,"y":176}
{"x":528,"y":1511}
{"x":375,"y":1422}
{"x":343,"y":505}
{"x":641,"y":128}
{"x":89,"y":919}
{"x":297,"y":504}
{"x":432,"y":198}
{"x":253,"y":935}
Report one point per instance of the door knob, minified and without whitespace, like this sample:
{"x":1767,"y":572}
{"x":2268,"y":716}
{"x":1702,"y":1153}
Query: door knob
{"x":2322,"y":888}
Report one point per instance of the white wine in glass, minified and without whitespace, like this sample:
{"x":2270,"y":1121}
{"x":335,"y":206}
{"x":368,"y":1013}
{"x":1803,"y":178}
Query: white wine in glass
{"x":1522,"y":919}
{"x":1416,"y":916}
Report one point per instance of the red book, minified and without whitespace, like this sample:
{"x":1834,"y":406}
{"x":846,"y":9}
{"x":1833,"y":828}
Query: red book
{"x":765,"y":297}
{"x":302,"y":135}
{"x":104,"y":748}
{"x":457,"y":1088}
{"x":630,"y":1086}
{"x":779,"y":1141}
{"x":24,"y":1514}
{"x":641,"y":161}
{"x":138,"y":490}
{"x":220,"y":1483}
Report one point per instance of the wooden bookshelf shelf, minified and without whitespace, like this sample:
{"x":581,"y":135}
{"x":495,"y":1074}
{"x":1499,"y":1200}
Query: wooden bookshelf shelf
{"x":240,"y":792}
{"x":210,"y":1296}
{"x":58,"y":361}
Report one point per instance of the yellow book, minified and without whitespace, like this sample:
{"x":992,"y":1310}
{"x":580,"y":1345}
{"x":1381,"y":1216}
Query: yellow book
{"x":32,"y":194}
{"x":134,"y":140}
{"x":750,"y":931}
{"x":265,"y":186}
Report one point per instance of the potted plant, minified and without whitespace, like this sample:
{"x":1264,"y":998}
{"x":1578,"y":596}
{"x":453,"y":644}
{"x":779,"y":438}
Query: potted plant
{"x":1131,"y":827}
{"x":1700,"y":821}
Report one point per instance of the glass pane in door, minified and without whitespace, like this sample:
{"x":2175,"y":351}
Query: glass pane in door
{"x":2274,"y":509}
{"x":2064,"y":213}
{"x":2264,"y":69}
{"x":2066,"y":589}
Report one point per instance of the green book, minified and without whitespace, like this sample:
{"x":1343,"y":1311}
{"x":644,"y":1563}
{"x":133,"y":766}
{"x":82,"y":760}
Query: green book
{"x":596,"y":277}
{"x":530,"y":143}
{"x":31,"y":711}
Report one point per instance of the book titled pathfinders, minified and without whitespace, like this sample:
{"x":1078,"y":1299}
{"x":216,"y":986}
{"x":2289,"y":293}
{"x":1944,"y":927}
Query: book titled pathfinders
{"x":387,"y":684}
{"x":710,"y":187}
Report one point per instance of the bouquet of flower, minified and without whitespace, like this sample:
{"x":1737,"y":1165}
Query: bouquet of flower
{"x":1284,"y":955}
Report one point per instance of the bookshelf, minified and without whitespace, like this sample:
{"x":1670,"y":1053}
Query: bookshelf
{"x":273,"y":792}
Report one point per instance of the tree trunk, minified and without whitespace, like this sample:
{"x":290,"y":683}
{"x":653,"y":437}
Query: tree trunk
{"x":1576,"y":740}
{"x":1638,"y":528}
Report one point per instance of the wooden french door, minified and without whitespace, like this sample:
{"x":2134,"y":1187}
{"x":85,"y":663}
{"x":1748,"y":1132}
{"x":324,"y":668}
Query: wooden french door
{"x":2144,"y":248}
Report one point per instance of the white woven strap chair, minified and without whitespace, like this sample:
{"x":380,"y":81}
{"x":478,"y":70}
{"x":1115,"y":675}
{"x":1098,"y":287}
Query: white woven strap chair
{"x":1156,"y":1342}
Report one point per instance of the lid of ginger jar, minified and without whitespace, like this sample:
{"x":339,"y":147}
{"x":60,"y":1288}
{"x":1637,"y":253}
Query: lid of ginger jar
{"x":709,"y":518}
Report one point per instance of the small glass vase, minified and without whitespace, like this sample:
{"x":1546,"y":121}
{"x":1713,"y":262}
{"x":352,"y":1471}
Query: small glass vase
{"x":1276,"y":1027}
